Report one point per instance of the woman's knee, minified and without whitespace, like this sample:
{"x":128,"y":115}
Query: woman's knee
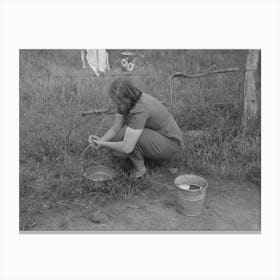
{"x":119,"y":155}
{"x":161,"y":150}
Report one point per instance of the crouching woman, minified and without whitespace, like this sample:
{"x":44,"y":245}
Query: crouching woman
{"x":142,"y":129}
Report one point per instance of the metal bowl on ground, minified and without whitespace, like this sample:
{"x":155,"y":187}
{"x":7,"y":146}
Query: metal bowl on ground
{"x":100,"y":173}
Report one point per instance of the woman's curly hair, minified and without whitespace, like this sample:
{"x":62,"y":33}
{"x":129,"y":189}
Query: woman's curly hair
{"x":125,"y":92}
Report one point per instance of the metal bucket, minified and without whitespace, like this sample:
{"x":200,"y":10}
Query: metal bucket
{"x":128,"y":61}
{"x":190,"y":194}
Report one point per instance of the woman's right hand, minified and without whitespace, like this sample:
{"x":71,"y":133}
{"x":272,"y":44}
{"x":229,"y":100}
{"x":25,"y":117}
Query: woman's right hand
{"x":93,"y":144}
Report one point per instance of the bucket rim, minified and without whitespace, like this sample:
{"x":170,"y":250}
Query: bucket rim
{"x":193,"y":175}
{"x":109,"y":171}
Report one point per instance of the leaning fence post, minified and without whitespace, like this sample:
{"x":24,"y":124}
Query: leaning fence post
{"x":252,"y":89}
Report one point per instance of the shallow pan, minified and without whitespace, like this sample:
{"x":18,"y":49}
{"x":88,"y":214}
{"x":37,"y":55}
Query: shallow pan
{"x":100,"y":173}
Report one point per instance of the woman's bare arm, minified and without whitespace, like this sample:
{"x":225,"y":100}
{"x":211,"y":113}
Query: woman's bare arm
{"x":117,"y":125}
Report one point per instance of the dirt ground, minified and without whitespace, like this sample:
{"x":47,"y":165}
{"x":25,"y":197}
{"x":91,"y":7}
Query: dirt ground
{"x":228,"y":206}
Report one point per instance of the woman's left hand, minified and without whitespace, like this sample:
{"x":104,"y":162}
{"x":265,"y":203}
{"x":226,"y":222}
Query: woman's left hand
{"x":97,"y":144}
{"x":94,"y":142}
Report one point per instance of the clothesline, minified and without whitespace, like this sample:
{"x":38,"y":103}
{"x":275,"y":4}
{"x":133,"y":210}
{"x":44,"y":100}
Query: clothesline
{"x":85,"y":76}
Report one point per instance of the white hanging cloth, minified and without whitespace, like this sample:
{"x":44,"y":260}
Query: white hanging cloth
{"x":98,"y":60}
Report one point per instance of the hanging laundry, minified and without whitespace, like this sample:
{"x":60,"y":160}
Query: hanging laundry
{"x":97,"y":59}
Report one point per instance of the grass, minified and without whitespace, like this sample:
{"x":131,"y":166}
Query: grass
{"x":54,"y":88}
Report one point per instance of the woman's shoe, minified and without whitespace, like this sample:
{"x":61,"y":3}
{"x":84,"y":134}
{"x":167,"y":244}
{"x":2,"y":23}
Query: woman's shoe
{"x":136,"y":174}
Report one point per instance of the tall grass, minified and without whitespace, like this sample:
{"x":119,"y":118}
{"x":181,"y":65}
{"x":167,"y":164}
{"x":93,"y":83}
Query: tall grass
{"x":54,"y":87}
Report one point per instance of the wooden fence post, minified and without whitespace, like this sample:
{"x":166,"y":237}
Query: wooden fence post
{"x":252,"y":86}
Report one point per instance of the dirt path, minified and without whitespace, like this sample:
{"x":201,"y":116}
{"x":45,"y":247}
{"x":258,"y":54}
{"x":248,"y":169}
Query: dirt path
{"x":229,"y":206}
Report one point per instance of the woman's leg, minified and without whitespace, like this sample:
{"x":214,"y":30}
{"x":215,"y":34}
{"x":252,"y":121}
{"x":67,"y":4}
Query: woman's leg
{"x":138,"y":163}
{"x":140,"y":168}
{"x":125,"y":163}
{"x":155,"y":146}
{"x":151,"y":145}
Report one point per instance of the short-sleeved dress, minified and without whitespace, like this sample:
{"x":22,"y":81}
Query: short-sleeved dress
{"x":161,"y":137}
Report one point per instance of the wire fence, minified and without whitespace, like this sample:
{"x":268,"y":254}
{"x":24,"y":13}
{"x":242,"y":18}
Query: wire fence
{"x":175,"y":75}
{"x":130,"y":74}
